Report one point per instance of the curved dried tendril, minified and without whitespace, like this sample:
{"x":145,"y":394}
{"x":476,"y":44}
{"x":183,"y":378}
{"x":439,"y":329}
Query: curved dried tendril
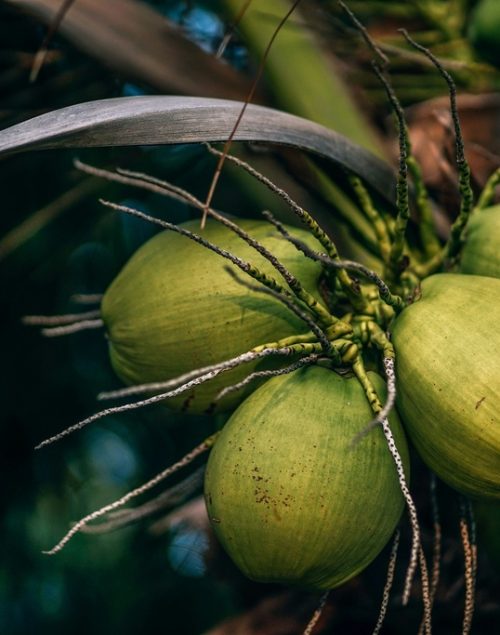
{"x":166,"y":188}
{"x":297,"y":209}
{"x":69,"y":329}
{"x":317,"y":614}
{"x":158,"y":186}
{"x":217,"y":370}
{"x":248,"y":99}
{"x":231,"y":28}
{"x":391,"y":568}
{"x":417,"y":554}
{"x":436,"y":549}
{"x":57,"y":320}
{"x":186,"y":460}
{"x":246,"y":267}
{"x":174,"y":495}
{"x":42,"y":52}
{"x":139,"y":389}
{"x":470,"y":563}
{"x":263,"y":374}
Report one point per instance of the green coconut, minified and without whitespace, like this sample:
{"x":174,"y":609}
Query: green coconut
{"x":290,"y":497}
{"x":481,"y":252}
{"x":175,"y":308}
{"x":448,"y":379}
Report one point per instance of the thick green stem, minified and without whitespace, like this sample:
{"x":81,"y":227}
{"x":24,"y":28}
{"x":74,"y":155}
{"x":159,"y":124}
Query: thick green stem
{"x":398,"y":245}
{"x":325,"y":318}
{"x":429,"y":239}
{"x":373,"y":215}
{"x":296,"y":344}
{"x":345,"y":280}
{"x":359,"y":370}
{"x":291,"y":340}
{"x":488,"y":194}
{"x":455,"y":240}
{"x":396,"y":256}
{"x":381,"y":341}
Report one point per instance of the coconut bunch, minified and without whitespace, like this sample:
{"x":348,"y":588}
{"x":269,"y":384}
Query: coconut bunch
{"x":325,"y":366}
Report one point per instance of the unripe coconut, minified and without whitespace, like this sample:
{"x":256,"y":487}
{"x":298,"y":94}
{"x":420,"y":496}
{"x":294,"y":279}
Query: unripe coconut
{"x":290,"y":497}
{"x":174,"y":308}
{"x":481,"y":252}
{"x":448,"y":371}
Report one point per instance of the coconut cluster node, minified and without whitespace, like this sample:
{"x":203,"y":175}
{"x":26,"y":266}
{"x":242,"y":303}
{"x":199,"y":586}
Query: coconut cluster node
{"x":325,"y":365}
{"x":297,"y":491}
{"x":286,"y":475}
{"x":299,"y":488}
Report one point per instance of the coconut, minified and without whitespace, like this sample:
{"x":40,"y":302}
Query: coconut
{"x":290,"y":496}
{"x":175,"y":308}
{"x":481,"y":252}
{"x":448,"y":379}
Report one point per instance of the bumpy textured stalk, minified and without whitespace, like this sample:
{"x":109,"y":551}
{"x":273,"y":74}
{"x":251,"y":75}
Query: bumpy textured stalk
{"x":426,"y":227}
{"x":417,"y":554}
{"x":402,"y":198}
{"x":392,"y":300}
{"x":373,"y":215}
{"x":455,"y":240}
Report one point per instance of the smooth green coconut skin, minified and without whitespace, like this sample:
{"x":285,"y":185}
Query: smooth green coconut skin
{"x":175,"y":308}
{"x":291,"y":499}
{"x":448,"y":379}
{"x":481,"y":252}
